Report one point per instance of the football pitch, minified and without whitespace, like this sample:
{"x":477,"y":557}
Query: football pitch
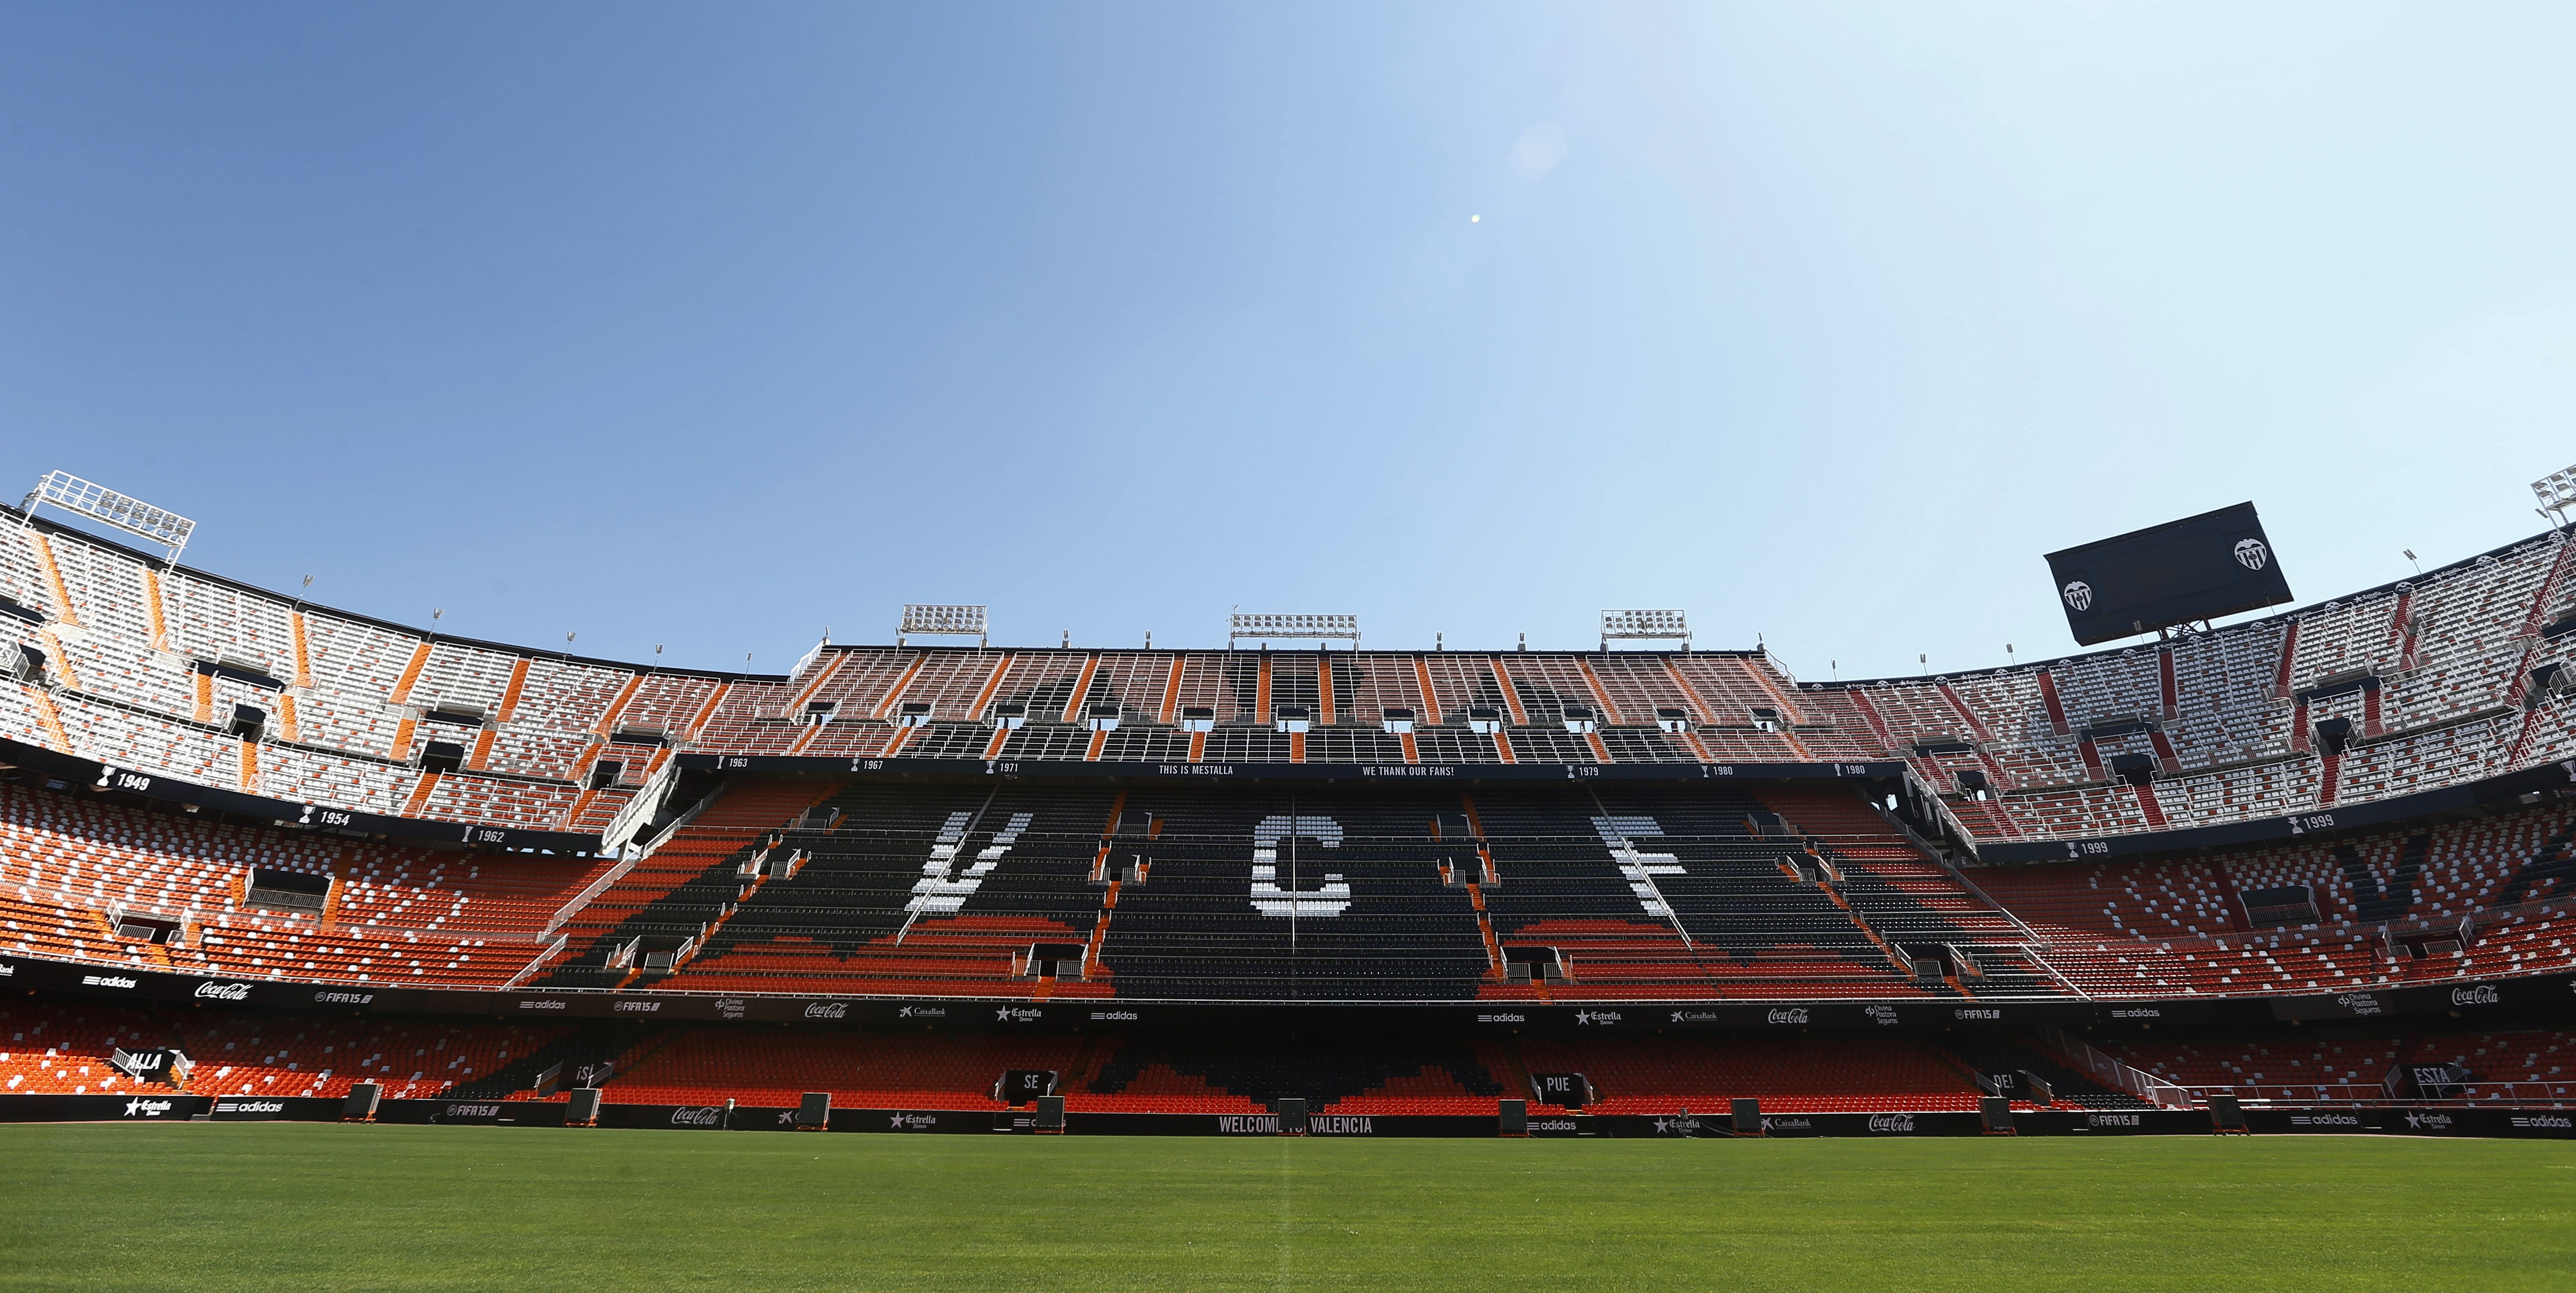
{"x":322,"y":1206}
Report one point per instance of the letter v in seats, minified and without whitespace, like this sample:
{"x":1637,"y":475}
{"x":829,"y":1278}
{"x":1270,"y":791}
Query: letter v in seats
{"x":1268,"y":897}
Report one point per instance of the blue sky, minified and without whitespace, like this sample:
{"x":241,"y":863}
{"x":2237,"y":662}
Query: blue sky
{"x":714,"y":326}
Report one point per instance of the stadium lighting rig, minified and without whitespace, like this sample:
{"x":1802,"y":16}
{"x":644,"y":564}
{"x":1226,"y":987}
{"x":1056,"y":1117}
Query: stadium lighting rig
{"x":2556,"y":492}
{"x":1242,"y":625}
{"x":1648,"y":625}
{"x":106,"y":506}
{"x":941,"y":621}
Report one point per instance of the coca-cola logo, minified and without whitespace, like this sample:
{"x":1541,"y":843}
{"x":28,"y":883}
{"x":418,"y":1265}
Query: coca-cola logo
{"x":2481,"y":995}
{"x":703,"y":1116}
{"x":827,"y":1010}
{"x":1891,"y":1122}
{"x":1792,"y":1015}
{"x":223,"y":992}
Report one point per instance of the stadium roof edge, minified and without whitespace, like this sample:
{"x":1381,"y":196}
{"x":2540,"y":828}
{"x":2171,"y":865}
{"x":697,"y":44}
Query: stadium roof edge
{"x":12,"y":512}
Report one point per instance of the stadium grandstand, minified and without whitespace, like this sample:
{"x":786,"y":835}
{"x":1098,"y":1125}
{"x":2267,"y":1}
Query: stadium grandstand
{"x":256,"y":849}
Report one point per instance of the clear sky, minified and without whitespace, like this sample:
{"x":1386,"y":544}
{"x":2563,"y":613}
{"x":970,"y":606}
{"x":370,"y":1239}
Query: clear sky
{"x":715,"y":325}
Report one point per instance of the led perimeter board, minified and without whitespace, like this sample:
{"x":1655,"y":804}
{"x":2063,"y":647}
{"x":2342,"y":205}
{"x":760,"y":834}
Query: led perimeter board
{"x":2197,"y":568}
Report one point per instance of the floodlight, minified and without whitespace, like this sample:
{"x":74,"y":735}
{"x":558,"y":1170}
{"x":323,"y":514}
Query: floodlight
{"x":941,"y":621}
{"x":2557,"y":490}
{"x":1652,"y":625}
{"x":1318,"y":627}
{"x":104,"y":505}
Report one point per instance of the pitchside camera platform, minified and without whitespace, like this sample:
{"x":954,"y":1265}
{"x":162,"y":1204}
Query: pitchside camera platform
{"x":2198,"y":568}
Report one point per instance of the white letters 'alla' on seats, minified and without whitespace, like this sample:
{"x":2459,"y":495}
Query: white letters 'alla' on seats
{"x":1617,"y":832}
{"x":936,"y":893}
{"x":1271,"y":900}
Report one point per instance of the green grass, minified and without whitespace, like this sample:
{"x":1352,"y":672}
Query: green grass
{"x":233,"y":1206}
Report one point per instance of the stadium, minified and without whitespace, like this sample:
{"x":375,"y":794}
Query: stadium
{"x":1478,"y":647}
{"x":2306,"y":873}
